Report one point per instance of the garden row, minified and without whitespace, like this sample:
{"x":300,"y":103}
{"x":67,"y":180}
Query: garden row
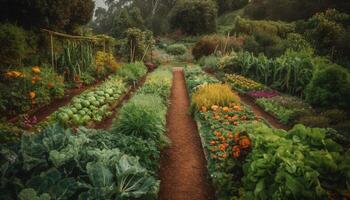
{"x":120,"y":163}
{"x":279,"y":86}
{"x":91,"y":106}
{"x":249,"y":160}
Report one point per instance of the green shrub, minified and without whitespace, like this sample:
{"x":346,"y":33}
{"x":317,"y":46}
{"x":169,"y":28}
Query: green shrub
{"x":176,"y":49}
{"x":314,"y":121}
{"x":335,"y":116}
{"x":136,"y":44}
{"x":230,"y":5}
{"x":194,"y":17}
{"x":142,"y":116}
{"x":158,"y":83}
{"x":249,"y":27}
{"x":210,"y":44}
{"x":330,"y":88}
{"x":14,"y":45}
{"x":209,"y":63}
{"x":132,"y":71}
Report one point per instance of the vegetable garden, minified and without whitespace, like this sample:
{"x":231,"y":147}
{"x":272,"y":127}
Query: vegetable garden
{"x":160,"y":100}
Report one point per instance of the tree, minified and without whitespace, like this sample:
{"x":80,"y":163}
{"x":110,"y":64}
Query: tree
{"x":52,"y":14}
{"x":194,"y":17}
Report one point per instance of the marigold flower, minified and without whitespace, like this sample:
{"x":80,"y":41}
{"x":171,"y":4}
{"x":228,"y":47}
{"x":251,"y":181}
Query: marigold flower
{"x":214,"y":107}
{"x":50,"y":85}
{"x":236,"y":151}
{"x":225,"y":109}
{"x":245,"y":142}
{"x":237,"y":137}
{"x":32,"y":95}
{"x":230,"y":135}
{"x":36,"y":69}
{"x":238,"y":108}
{"x":204,"y":109}
{"x":212,"y":142}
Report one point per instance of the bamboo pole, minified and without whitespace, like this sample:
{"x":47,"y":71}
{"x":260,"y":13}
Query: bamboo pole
{"x":52,"y":52}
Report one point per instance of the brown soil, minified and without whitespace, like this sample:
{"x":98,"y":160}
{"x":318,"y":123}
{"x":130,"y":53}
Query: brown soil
{"x":107,"y":122}
{"x":183,"y":169}
{"x":261,"y":113}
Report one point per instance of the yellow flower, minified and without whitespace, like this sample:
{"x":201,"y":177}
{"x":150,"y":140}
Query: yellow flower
{"x":32,"y":95}
{"x":36,"y":69}
{"x":14,"y":74}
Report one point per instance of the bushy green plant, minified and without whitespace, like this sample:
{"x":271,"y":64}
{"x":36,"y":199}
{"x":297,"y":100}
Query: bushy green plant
{"x":230,"y":5}
{"x":209,"y":63}
{"x":131,"y":72}
{"x":136,"y":44}
{"x":158,"y":83}
{"x":277,"y":28}
{"x":142,"y":116}
{"x":194,"y":17}
{"x":176,"y":49}
{"x":290,"y":73}
{"x":328,"y":32}
{"x":210,"y":44}
{"x":330,"y":88}
{"x":25,"y":89}
{"x":14,"y":45}
{"x":49,"y":158}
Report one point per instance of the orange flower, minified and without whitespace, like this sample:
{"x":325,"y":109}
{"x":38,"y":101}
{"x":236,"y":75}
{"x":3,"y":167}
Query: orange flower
{"x":204,"y":109}
{"x":212,"y":142}
{"x":230,"y":135}
{"x":32,"y":95}
{"x":237,"y":137}
{"x":14,"y":74}
{"x":234,"y":117}
{"x":36,"y":69}
{"x":214,"y":107}
{"x":238,"y":108}
{"x":226,"y":123}
{"x":35,"y":79}
{"x":227,"y":116}
{"x":225,"y":109}
{"x":50,"y":85}
{"x":217,"y":133}
{"x":214,"y":156}
{"x":224,"y":155}
{"x":222,"y":138}
{"x":216,"y":117}
{"x":235,"y":123}
{"x":222,"y":147}
{"x":236,"y":151}
{"x":245,"y":142}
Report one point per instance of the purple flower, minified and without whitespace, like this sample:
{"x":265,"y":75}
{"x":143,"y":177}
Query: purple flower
{"x":262,"y":94}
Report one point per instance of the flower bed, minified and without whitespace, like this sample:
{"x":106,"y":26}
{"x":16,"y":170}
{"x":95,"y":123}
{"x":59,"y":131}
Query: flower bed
{"x":243,"y":84}
{"x":249,"y":160}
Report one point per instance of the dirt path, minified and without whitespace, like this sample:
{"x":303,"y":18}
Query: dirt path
{"x":183,"y":166}
{"x":261,"y":113}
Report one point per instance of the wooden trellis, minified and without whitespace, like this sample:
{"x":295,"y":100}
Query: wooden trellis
{"x":72,"y":37}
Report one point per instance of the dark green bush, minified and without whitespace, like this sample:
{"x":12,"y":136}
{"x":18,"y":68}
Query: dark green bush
{"x":194,"y":17}
{"x":330,"y":88}
{"x":210,"y":43}
{"x":230,"y":5}
{"x":14,"y":45}
{"x":314,"y":121}
{"x":176,"y":49}
{"x":136,"y":44}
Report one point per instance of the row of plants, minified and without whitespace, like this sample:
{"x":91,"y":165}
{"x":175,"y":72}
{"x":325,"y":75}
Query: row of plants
{"x":24,"y":89}
{"x":249,"y":160}
{"x":89,"y":107}
{"x":120,"y":163}
{"x":290,"y":110}
{"x":323,"y":96}
{"x":95,"y":104}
